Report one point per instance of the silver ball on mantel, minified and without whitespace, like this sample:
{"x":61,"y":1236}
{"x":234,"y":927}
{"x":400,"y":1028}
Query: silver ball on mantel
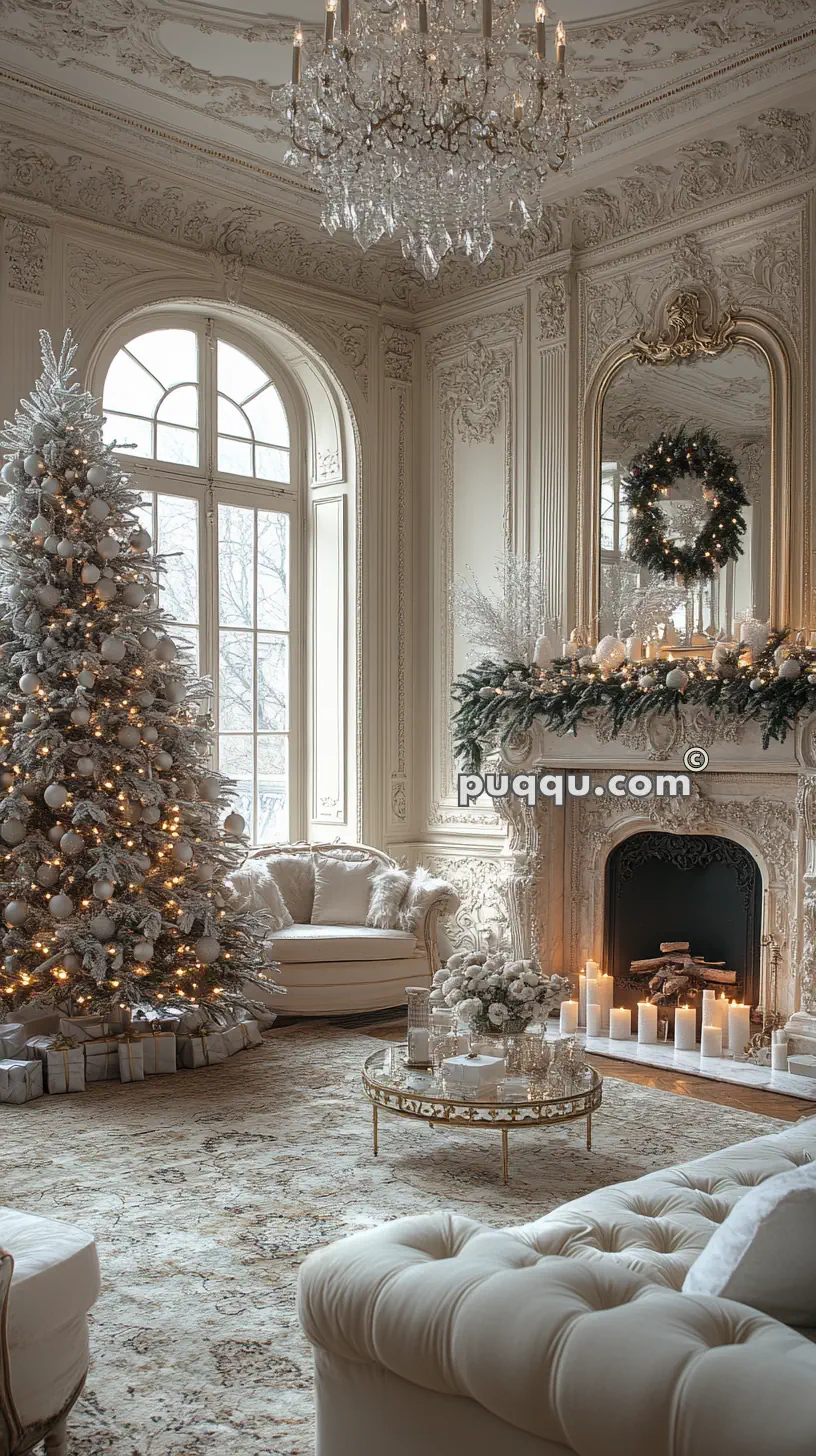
{"x":60,"y":906}
{"x":207,"y":949}
{"x":755,"y":684}
{"x":789,"y":669}
{"x":678,"y":679}
{"x":16,"y":912}
{"x":646,"y":680}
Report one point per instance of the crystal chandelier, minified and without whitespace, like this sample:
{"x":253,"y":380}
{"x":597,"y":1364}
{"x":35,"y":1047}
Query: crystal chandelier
{"x":425,"y":119}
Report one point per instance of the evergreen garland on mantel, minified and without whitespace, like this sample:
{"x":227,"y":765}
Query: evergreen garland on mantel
{"x":497,"y":700}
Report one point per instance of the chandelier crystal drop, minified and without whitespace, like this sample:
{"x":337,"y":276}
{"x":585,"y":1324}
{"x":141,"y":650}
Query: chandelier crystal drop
{"x":430,"y":119}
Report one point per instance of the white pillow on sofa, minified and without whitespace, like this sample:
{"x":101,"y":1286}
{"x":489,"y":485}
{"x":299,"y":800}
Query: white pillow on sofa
{"x":342,"y":888}
{"x":255,"y":881}
{"x":764,"y":1253}
{"x":294,"y":876}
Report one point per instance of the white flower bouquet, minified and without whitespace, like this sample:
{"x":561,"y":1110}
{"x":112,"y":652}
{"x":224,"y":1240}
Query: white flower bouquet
{"x":490,"y":993}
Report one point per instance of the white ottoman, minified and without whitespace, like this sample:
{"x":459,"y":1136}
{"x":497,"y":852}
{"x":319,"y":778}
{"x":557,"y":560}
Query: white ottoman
{"x":49,"y":1279}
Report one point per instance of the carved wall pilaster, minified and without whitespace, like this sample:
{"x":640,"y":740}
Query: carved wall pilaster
{"x":25,"y":248}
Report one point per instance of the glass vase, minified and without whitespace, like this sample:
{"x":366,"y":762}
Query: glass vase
{"x":419,"y":1026}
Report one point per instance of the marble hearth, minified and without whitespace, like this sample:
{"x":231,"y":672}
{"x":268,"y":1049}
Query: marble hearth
{"x":764,"y":800}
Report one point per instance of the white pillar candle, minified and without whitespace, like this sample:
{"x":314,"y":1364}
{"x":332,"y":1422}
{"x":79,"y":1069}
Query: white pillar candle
{"x":711,"y":1041}
{"x":569,"y":1017}
{"x":739,"y":1028}
{"x":620,"y":1023}
{"x":419,"y":1045}
{"x":723,"y":1005}
{"x":710,"y":1009}
{"x":593,"y":1019}
{"x":685,"y":1029}
{"x":582,"y":1000}
{"x":779,"y":1056}
{"x":647,"y":1023}
{"x":604,"y":993}
{"x":586,"y":982}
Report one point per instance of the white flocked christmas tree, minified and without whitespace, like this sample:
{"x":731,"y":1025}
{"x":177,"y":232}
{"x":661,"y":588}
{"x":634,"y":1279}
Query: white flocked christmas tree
{"x":116,"y":835}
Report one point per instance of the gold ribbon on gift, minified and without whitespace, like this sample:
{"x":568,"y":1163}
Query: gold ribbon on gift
{"x":129,"y":1037}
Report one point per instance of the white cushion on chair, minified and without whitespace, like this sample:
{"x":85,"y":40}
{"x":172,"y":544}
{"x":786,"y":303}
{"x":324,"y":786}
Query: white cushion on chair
{"x":314,"y":943}
{"x":342,"y":889}
{"x":294,"y":876}
{"x":55,"y":1283}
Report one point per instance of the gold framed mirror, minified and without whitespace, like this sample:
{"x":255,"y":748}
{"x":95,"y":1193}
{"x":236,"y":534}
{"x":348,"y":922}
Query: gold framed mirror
{"x":696,"y":370}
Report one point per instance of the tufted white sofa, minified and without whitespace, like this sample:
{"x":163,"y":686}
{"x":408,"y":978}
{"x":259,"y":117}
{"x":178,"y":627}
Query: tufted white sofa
{"x":436,"y":1335}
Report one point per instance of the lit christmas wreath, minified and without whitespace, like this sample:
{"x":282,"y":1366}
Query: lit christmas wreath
{"x":651,"y":474}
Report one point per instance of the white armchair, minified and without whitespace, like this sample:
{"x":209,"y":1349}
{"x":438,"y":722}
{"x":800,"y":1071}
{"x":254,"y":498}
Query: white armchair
{"x":328,"y":969}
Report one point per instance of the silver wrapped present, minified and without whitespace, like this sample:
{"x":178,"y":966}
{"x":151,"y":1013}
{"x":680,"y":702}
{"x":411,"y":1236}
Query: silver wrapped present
{"x":159,"y":1052}
{"x":37,"y":1046}
{"x":102,"y":1060}
{"x":186,"y":1019}
{"x":84,"y":1028}
{"x":13,"y":1037}
{"x":20,"y":1081}
{"x":203,"y":1050}
{"x":64,"y":1066}
{"x":243,"y":1034}
{"x":131,"y":1059}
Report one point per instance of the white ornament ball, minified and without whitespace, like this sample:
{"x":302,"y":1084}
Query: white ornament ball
{"x":102,"y":927}
{"x":13,"y":831}
{"x":71,"y":842}
{"x":113,"y":649}
{"x":97,"y":510}
{"x":70,"y":475}
{"x":163,"y":760}
{"x":47,"y":875}
{"x":235,"y":823}
{"x":182,"y":852}
{"x":146,"y":699}
{"x":204,"y":873}
{"x":175,"y":690}
{"x":209,"y":790}
{"x":30,"y":720}
{"x":151,"y":814}
{"x":677,"y":678}
{"x":610,"y":652}
{"x":141,"y":540}
{"x":86,"y":678}
{"x":96,"y":475}
{"x":790,"y":669}
{"x":755,"y":684}
{"x":66,"y":548}
{"x":55,"y":796}
{"x":128,"y":736}
{"x":29,"y":682}
{"x":207,"y":949}
{"x":143,"y":950}
{"x":148,"y":640}
{"x":60,"y":906}
{"x":646,"y":680}
{"x":33,"y":465}
{"x":133,"y":594}
{"x":9,"y":472}
{"x":85,"y":766}
{"x":16,"y":912}
{"x":55,"y":833}
{"x":51,"y":485}
{"x":40,"y":526}
{"x":49,"y":596}
{"x":108,"y":547}
{"x":90,"y":574}
{"x":150,"y":734}
{"x":166,"y":650}
{"x":81,"y":717}
{"x":103,"y":889}
{"x":106,"y":589}
{"x":51,"y":543}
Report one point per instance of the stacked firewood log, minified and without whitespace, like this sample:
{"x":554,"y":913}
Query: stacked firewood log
{"x":675,"y":975}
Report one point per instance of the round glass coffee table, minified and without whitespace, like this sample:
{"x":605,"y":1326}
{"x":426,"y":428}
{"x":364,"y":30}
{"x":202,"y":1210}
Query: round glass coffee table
{"x":393,"y":1087}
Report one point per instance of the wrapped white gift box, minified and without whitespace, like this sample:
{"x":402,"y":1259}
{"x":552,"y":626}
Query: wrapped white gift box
{"x":473,"y":1072}
{"x":84,"y":1028}
{"x":37,"y":1046}
{"x":203,"y":1050}
{"x":131,"y":1059}
{"x":243,"y":1034}
{"x":187,"y":1019}
{"x":102,"y":1060}
{"x":158,"y":1051}
{"x":64,"y":1068}
{"x":20,"y":1081}
{"x":13,"y":1037}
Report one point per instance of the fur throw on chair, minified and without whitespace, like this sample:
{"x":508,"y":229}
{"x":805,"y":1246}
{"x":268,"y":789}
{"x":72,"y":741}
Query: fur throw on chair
{"x":255,"y":883}
{"x":424,"y":889}
{"x":388,"y":890}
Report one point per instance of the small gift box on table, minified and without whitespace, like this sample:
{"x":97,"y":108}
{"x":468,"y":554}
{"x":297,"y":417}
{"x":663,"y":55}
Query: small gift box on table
{"x":102,"y":1060}
{"x":158,"y":1051}
{"x":473,"y":1073}
{"x":20,"y":1081}
{"x":242,"y":1034}
{"x":203,"y":1050}
{"x":131,"y":1057}
{"x":64,"y":1065}
{"x":13,"y":1037}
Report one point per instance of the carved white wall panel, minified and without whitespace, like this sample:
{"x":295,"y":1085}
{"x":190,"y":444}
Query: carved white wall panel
{"x":398,"y":349}
{"x":25,"y":248}
{"x":479,"y":880}
{"x":328,"y":706}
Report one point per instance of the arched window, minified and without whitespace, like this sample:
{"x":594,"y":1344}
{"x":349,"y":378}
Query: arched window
{"x":222,"y":504}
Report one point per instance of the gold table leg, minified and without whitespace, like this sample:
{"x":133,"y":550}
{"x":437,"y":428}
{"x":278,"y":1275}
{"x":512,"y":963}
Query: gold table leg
{"x":589,"y":1132}
{"x":375,"y":1128}
{"x":505,"y":1157}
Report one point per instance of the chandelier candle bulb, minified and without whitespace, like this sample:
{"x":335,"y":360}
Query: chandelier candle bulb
{"x":541,"y":38}
{"x":739,"y":1028}
{"x":647,"y":1023}
{"x":560,"y":44}
{"x":568,"y":1020}
{"x":685,"y":1029}
{"x":711,"y":1040}
{"x":331,"y":8}
{"x":297,"y":53}
{"x":344,"y":17}
{"x":423,"y":17}
{"x":487,"y":19}
{"x":620,"y":1023}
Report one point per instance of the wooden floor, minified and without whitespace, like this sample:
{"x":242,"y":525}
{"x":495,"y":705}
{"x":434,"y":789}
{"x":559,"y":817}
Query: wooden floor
{"x":747,"y":1099}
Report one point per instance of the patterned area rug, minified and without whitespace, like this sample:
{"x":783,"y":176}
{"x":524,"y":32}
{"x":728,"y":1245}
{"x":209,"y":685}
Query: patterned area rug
{"x":206,"y":1190}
